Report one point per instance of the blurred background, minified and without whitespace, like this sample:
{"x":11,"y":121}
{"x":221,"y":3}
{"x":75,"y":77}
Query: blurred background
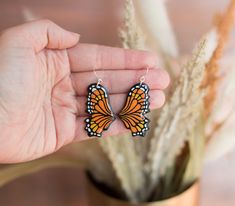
{"x":98,"y":21}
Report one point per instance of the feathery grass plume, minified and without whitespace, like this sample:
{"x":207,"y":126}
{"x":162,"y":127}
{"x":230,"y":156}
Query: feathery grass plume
{"x":127,"y":165}
{"x":223,"y":140}
{"x":131,"y":35}
{"x":179,"y":115}
{"x":221,"y":121}
{"x":197,"y":148}
{"x":153,"y":18}
{"x":210,"y":82}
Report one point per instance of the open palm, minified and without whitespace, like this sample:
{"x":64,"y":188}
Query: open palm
{"x":44,"y":77}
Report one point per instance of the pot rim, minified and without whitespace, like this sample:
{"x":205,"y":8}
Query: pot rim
{"x":194,"y":186}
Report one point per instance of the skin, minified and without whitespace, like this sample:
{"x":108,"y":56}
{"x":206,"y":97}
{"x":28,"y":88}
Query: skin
{"x":44,"y":76}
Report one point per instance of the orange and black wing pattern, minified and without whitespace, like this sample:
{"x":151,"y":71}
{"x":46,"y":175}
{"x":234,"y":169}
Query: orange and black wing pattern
{"x":99,"y":109}
{"x":137,"y":105}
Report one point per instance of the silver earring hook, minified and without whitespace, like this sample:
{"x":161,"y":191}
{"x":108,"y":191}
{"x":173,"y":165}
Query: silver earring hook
{"x":99,"y":80}
{"x":142,"y":78}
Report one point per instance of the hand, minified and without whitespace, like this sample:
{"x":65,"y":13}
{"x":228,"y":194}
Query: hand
{"x":44,"y":75}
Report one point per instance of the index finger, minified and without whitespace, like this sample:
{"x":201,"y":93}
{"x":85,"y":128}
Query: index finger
{"x":86,"y":57}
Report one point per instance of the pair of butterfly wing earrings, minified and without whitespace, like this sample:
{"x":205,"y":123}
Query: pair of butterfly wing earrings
{"x":132,"y":115}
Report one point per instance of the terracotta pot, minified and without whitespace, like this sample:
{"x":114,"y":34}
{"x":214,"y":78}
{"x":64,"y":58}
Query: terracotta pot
{"x":190,"y":197}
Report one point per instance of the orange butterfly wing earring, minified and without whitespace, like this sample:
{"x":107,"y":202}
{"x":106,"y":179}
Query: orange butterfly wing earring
{"x":132,"y":115}
{"x":99,"y":109}
{"x":137,"y":105}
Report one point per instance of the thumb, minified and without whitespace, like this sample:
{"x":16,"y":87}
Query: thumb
{"x":42,"y":34}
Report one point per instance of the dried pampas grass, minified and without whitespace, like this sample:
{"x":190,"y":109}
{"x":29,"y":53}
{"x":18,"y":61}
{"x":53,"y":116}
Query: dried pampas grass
{"x":221,"y":121}
{"x":210,"y":82}
{"x":127,"y":165}
{"x":180,"y":114}
{"x":131,"y":35}
{"x":152,"y":17}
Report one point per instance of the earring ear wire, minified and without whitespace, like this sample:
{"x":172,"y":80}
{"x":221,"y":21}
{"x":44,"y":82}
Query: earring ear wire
{"x":99,"y":80}
{"x":142,"y":78}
